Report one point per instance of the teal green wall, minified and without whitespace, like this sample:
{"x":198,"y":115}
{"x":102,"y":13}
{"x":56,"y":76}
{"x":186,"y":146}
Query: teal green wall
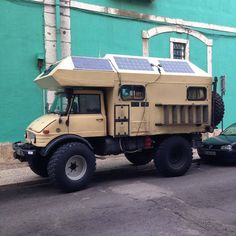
{"x":21,"y":38}
{"x":95,"y":35}
{"x":219,"y":12}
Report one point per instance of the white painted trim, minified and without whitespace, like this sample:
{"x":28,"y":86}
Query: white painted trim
{"x":173,"y":28}
{"x":49,"y":40}
{"x":177,"y":40}
{"x":209,"y":59}
{"x":166,"y":29}
{"x":65,"y":28}
{"x":145,"y":47}
{"x":139,"y":16}
{"x":146,"y":17}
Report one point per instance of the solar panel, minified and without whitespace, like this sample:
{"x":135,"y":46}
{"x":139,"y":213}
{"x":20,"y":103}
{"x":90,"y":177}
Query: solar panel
{"x":130,"y":63}
{"x":176,"y":66}
{"x":86,"y":63}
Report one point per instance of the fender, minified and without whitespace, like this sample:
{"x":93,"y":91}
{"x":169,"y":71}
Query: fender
{"x":63,"y":139}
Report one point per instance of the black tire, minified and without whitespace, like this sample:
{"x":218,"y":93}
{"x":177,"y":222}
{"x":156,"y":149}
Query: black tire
{"x":219,"y":109}
{"x":173,"y":156}
{"x":39,"y":165}
{"x":61,"y":174}
{"x":140,"y":158}
{"x":209,"y":160}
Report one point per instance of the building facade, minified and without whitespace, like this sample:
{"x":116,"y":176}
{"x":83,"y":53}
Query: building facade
{"x":36,"y":33}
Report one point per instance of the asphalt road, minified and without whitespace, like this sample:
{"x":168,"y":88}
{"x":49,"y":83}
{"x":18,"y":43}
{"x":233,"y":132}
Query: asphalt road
{"x":126,"y":200}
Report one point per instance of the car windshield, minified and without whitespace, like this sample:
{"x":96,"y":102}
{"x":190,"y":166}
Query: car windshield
{"x":60,"y":104}
{"x":231,"y":130}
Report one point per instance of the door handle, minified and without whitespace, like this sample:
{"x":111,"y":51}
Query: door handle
{"x":99,"y":119}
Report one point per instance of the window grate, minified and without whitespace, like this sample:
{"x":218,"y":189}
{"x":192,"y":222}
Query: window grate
{"x":179,"y":50}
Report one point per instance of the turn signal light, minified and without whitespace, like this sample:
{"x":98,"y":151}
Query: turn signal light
{"x":46,"y":131}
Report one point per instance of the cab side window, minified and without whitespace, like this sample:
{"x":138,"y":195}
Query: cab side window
{"x":132,"y":92}
{"x":86,"y":104}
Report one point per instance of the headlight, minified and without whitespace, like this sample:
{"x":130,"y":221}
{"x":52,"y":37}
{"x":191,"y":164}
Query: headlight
{"x":226,"y":147}
{"x":32,"y":137}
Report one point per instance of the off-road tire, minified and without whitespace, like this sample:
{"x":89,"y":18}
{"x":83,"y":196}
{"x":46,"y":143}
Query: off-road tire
{"x":39,"y":165}
{"x":58,"y":162}
{"x":140,"y":158}
{"x":173,"y":156}
{"x":219,"y":109}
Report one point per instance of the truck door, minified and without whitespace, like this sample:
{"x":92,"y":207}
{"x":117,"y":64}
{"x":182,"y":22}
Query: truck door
{"x":87,"y":117}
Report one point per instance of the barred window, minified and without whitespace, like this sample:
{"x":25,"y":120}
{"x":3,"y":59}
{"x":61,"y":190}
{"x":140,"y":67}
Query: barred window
{"x":179,"y":50}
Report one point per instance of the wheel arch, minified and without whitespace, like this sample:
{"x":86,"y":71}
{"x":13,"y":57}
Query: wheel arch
{"x":55,"y":143}
{"x":160,"y":138}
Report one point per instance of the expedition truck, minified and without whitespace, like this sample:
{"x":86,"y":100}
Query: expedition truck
{"x":147,"y":108}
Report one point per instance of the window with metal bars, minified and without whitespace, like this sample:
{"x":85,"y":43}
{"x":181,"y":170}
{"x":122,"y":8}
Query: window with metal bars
{"x":179,"y":50}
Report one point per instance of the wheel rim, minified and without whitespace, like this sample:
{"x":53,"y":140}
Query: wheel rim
{"x":76,"y":167}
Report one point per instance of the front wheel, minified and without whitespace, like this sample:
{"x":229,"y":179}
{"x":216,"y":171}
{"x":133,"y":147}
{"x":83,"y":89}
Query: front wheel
{"x":72,"y":166}
{"x":39,"y":165}
{"x":173,"y":156}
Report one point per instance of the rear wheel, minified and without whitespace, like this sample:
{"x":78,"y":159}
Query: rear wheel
{"x":72,"y":166}
{"x":140,"y":158}
{"x":173,"y":156}
{"x":39,"y":165}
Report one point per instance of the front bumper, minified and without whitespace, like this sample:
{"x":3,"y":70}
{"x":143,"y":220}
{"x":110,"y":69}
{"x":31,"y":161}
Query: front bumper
{"x":217,"y":154}
{"x":24,"y":151}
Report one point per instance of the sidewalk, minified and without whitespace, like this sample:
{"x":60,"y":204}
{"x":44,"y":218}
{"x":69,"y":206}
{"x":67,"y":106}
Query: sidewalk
{"x":17,"y":173}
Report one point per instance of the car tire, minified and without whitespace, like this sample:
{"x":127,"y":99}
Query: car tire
{"x":72,"y":166}
{"x":208,"y":159}
{"x":39,"y":165}
{"x":173,"y":156}
{"x":140,"y":158}
{"x":219,"y":109}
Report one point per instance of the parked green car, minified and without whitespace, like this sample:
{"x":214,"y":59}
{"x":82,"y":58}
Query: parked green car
{"x":221,"y":147}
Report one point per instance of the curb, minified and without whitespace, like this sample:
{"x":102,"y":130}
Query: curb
{"x":25,"y":184}
{"x":27,"y":180}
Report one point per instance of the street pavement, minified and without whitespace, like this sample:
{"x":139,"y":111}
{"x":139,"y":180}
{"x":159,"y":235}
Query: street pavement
{"x":125,"y":200}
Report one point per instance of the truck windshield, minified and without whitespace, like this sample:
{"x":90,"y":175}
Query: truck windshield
{"x":60,"y":104}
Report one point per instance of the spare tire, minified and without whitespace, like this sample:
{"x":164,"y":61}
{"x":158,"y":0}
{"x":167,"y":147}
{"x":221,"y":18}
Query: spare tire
{"x":219,"y":109}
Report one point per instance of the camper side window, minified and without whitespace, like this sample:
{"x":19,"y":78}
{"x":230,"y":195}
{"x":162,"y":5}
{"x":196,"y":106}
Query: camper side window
{"x":132,"y":92}
{"x":196,"y":93}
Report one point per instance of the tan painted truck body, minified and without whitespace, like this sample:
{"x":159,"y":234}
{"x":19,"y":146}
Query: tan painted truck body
{"x":165,"y":108}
